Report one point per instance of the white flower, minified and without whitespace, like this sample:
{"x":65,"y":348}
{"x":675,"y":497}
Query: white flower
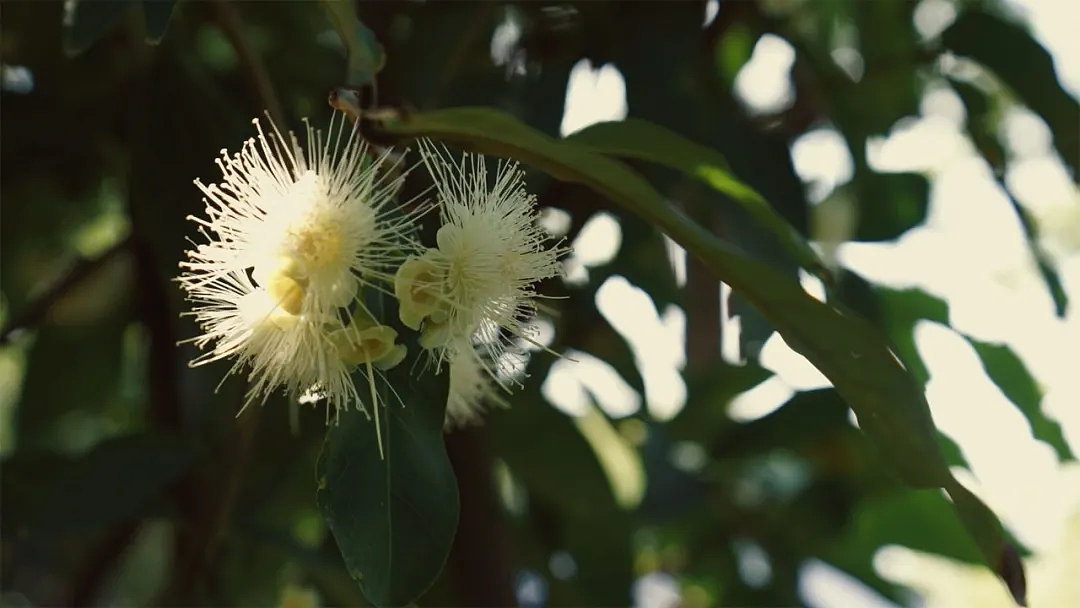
{"x":470,"y":388}
{"x":476,"y":287}
{"x":292,"y":234}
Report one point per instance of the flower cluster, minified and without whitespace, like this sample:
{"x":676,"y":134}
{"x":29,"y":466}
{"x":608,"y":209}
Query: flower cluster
{"x":295,"y":234}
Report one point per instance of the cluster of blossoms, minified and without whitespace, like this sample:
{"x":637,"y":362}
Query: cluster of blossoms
{"x":294,"y":235}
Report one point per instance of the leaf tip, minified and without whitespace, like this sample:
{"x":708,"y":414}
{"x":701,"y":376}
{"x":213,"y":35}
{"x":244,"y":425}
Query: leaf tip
{"x":1011,"y":570}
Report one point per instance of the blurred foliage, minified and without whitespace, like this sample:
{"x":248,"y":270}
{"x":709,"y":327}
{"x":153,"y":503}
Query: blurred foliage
{"x":128,"y":477}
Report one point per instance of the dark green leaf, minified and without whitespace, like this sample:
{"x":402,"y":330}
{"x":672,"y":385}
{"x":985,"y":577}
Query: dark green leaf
{"x":982,"y":525}
{"x":640,"y":139}
{"x":709,"y":391}
{"x":897,"y":312}
{"x":901,"y":310}
{"x":86,"y":21}
{"x":393,"y":517}
{"x":366,"y":55}
{"x":890,"y":204}
{"x":890,"y":406}
{"x":808,"y":416}
{"x":1010,"y":374}
{"x":1025,"y":67}
{"x":95,"y":379}
{"x":156,"y":14}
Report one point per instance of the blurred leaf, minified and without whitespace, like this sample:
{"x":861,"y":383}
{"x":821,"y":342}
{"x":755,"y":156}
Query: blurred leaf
{"x":978,"y":518}
{"x":888,"y":44}
{"x":984,"y":134}
{"x":116,"y":480}
{"x":890,"y":204}
{"x":553,"y":460}
{"x":807,"y":416}
{"x":85,"y":21}
{"x":1010,"y":374}
{"x":90,"y":360}
{"x":671,"y":491}
{"x":366,"y":55}
{"x":640,"y":139}
{"x":902,"y":309}
{"x":897,"y":312}
{"x":393,"y":517}
{"x":919,"y":520}
{"x":890,"y":406}
{"x":1024,"y":66}
{"x":156,"y":14}
{"x":709,"y":391}
{"x":643,"y":260}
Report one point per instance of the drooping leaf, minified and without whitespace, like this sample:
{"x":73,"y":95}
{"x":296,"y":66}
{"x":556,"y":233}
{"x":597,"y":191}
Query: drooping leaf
{"x":366,"y":56}
{"x":1010,"y":374}
{"x":1024,"y":66}
{"x":394,"y":514}
{"x":86,"y":21}
{"x":900,"y":311}
{"x":640,"y":139}
{"x":890,"y":406}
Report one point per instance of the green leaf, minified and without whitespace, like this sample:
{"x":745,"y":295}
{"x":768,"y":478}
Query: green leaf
{"x":393,"y":518}
{"x":366,"y":55}
{"x":902,"y":309}
{"x":117,"y":479}
{"x":643,"y":140}
{"x":850,"y":352}
{"x":983,"y":124}
{"x":709,"y":391}
{"x":44,"y":403}
{"x":1010,"y":374}
{"x":899,"y":311}
{"x":156,"y":14}
{"x":85,"y":21}
{"x":1025,"y":67}
{"x":890,"y":204}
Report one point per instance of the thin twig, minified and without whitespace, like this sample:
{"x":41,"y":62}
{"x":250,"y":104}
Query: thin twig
{"x":242,"y":442}
{"x":38,"y":311}
{"x":88,"y":586}
{"x":233,"y":28}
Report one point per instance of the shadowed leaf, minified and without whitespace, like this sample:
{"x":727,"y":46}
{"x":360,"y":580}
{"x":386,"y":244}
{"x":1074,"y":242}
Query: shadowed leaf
{"x":392,"y":510}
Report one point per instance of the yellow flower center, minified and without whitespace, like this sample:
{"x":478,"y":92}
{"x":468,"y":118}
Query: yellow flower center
{"x":319,"y":246}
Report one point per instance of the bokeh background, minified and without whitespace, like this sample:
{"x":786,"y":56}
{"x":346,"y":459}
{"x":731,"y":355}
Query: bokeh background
{"x":686,"y":456}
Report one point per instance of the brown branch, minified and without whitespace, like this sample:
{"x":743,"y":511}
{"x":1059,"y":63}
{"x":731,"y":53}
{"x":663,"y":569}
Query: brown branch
{"x":241,"y":442}
{"x":480,"y":556}
{"x":86,"y":590}
{"x":38,"y":311}
{"x":704,"y":330}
